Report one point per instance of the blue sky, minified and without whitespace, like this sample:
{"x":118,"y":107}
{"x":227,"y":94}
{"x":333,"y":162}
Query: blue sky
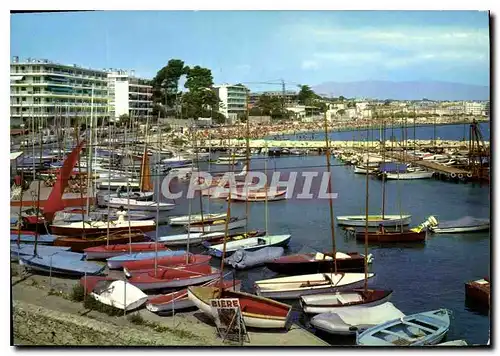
{"x":302,"y":47}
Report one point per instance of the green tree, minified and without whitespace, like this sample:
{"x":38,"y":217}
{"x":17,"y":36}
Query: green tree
{"x":200,"y":98}
{"x":341,"y":112}
{"x":341,"y":98}
{"x":124,"y":119}
{"x":306,"y":95}
{"x":166,"y":84}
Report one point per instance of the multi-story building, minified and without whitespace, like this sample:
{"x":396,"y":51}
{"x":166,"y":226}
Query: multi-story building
{"x":42,"y":91}
{"x":474,"y":108}
{"x":291,"y":97}
{"x":129,"y":95}
{"x":233,"y":100}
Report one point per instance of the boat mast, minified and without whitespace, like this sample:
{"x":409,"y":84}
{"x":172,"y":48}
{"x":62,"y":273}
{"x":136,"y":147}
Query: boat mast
{"x":157,"y":172}
{"x":366,"y":217}
{"x":382,"y":139}
{"x":248,"y":163}
{"x":265,"y":189}
{"x":330,"y":202}
{"x":38,"y":201}
{"x":228,"y":216}
{"x":89,"y":155}
{"x":109,"y":179}
{"x":198,"y":169}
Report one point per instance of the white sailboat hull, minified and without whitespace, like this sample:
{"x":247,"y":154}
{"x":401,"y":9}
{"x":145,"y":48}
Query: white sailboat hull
{"x":219,"y":227}
{"x":409,"y":175}
{"x":450,"y":230}
{"x":181,"y":239}
{"x":318,"y":309}
{"x":138,"y":205}
{"x":374,"y":220}
{"x":185,"y":219}
{"x":121,"y":295}
{"x":295,"y":286}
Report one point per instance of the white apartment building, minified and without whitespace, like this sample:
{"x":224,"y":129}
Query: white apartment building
{"x":129,"y":95}
{"x":42,"y":91}
{"x":474,"y":108}
{"x":233,"y":100}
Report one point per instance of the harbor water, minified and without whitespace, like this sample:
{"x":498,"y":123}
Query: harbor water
{"x":423,"y":276}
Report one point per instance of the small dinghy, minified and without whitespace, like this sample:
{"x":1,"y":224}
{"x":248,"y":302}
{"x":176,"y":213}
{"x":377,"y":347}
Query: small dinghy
{"x":465,"y":224}
{"x":356,"y":299}
{"x":27,"y":250}
{"x":196,"y":218}
{"x":295,"y":286}
{"x":139,"y":196}
{"x":181,"y":239}
{"x":119,"y":294}
{"x":63,"y":263}
{"x":317,"y":263}
{"x":147,"y":265}
{"x":257,"y":312}
{"x":179,"y":300}
{"x":374,"y":220}
{"x":107,"y":251}
{"x":454,"y":343}
{"x":350,"y":322}
{"x":392,"y":236}
{"x":217,"y":225}
{"x":30,"y":238}
{"x":102,"y":214}
{"x":242,"y":259}
{"x":214,"y":238}
{"x":118,"y":261}
{"x":409,"y":175}
{"x":249,"y":244}
{"x":174,"y":277}
{"x":138,"y":204}
{"x":421,"y":329}
{"x":88,"y":228}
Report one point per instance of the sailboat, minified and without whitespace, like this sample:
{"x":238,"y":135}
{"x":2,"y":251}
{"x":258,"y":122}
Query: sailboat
{"x":79,"y":244}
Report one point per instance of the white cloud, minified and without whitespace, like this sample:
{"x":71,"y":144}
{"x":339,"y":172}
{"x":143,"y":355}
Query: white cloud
{"x":309,"y":64}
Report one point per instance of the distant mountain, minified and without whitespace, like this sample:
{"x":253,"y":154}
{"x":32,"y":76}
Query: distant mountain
{"x":404,"y":90}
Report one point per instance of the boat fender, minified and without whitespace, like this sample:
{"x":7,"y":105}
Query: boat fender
{"x":453,"y":175}
{"x":239,"y":237}
{"x":460,"y":176}
{"x":469,"y":175}
{"x":216,"y":222}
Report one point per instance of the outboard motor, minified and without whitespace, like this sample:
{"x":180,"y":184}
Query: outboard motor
{"x":430,"y":222}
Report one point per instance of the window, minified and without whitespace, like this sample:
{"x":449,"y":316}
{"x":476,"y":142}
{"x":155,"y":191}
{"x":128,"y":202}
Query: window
{"x":24,"y":99}
{"x":23,"y":89}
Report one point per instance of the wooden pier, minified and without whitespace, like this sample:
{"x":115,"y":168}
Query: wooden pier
{"x":433,"y":166}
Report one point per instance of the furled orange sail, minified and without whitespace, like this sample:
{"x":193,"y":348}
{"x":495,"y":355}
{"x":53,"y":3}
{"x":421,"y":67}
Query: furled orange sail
{"x":54,"y":202}
{"x":146,"y":184}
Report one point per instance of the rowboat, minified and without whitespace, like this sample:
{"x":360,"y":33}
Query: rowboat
{"x":139,"y":196}
{"x":106,"y":251}
{"x":465,"y":224}
{"x":374,"y":220}
{"x":218,"y":225}
{"x":196,"y":218}
{"x":363,"y":170}
{"x":179,"y":300}
{"x":427,"y":328}
{"x":79,"y":228}
{"x":295,"y":286}
{"x":249,"y":244}
{"x":317,"y":262}
{"x":63,"y":263}
{"x":356,"y":299}
{"x":119,"y":294}
{"x":118,"y":261}
{"x":392,"y":236}
{"x":214,"y":238}
{"x":174,"y":277}
{"x":131,"y":184}
{"x":101,"y":214}
{"x":257,"y":312}
{"x":478,"y":292}
{"x":350,"y":322}
{"x":147,"y":265}
{"x":138,"y":204}
{"x":79,"y":244}
{"x":254,"y":196}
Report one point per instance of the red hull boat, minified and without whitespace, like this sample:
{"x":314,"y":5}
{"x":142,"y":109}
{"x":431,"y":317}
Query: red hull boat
{"x":390,"y":237}
{"x":145,"y":266}
{"x":106,"y":251}
{"x":478,"y":292}
{"x":174,"y":277}
{"x":59,"y":230}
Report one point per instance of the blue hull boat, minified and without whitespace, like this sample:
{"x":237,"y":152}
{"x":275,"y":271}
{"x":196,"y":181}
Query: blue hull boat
{"x":422,"y":329}
{"x":27,"y":250}
{"x":64,"y":263}
{"x":117,"y":261}
{"x":25,"y":238}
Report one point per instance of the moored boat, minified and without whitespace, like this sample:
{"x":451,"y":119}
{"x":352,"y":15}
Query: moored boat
{"x":249,"y":244}
{"x":137,"y":204}
{"x":79,"y":244}
{"x":217,"y":225}
{"x":478,"y":292}
{"x":195,"y":218}
{"x":119,"y":294}
{"x":392,"y":236}
{"x":214,"y":238}
{"x":346,"y":300}
{"x":317,"y":262}
{"x":374,"y":220}
{"x":427,"y":328}
{"x":63,"y":263}
{"x":79,"y":228}
{"x":257,"y":312}
{"x":146,"y":265}
{"x":179,"y":300}
{"x":174,"y":277}
{"x":295,"y":286}
{"x":118,"y":261}
{"x":106,"y":251}
{"x":465,"y":224}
